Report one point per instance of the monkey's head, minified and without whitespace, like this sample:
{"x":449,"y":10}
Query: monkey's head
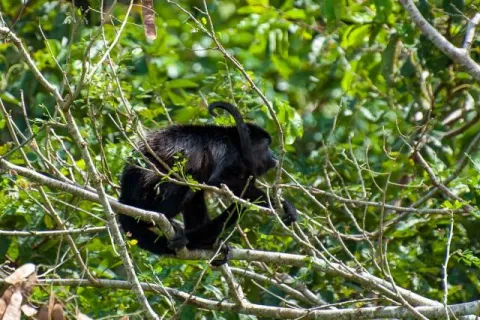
{"x":263,"y":158}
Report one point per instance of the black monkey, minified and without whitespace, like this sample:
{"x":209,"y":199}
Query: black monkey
{"x":214,"y":155}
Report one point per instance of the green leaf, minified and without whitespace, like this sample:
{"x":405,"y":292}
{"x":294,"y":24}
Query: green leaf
{"x":390,"y":59}
{"x":13,"y":250}
{"x":408,"y":68}
{"x":175,"y":98}
{"x":384,"y":9}
{"x":332,"y":10}
{"x":294,"y":14}
{"x":282,"y":66}
{"x":252,"y":9}
{"x":263,"y":3}
{"x":181,"y":83}
{"x":9,"y":98}
{"x":355,"y":36}
{"x":290,"y":120}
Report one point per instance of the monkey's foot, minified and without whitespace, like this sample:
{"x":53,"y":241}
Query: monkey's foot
{"x":291,"y":214}
{"x":178,"y":241}
{"x":225,"y":250}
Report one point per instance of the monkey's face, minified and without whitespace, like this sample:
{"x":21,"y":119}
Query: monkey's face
{"x":264,"y":157}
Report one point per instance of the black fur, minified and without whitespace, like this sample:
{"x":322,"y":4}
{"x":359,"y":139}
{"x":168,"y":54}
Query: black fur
{"x":215,"y":155}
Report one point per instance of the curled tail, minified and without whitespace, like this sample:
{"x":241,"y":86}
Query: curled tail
{"x":243,"y":132}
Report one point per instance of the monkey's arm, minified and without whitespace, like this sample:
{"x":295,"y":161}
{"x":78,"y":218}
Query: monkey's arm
{"x":205,"y":236}
{"x":254,"y":193}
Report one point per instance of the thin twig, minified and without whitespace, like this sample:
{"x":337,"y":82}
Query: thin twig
{"x":445,"y":268}
{"x":112,"y":45}
{"x":470,"y":33}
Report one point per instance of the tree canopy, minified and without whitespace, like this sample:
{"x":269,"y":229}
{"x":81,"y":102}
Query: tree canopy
{"x":373,"y":107}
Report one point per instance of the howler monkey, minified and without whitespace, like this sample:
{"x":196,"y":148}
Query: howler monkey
{"x":214,"y":155}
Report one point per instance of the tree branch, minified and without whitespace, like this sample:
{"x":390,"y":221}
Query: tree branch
{"x":458,"y":55}
{"x":432,"y":312}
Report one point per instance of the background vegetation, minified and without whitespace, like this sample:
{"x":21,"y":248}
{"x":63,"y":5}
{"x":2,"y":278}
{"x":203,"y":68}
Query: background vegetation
{"x":380,"y":124}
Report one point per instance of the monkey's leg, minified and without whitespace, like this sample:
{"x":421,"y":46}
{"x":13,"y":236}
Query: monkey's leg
{"x":200,"y":237}
{"x":138,"y":195}
{"x":205,"y":236}
{"x":195,"y":212}
{"x":165,"y":198}
{"x":173,"y":200}
{"x":147,"y":239}
{"x":194,"y":215}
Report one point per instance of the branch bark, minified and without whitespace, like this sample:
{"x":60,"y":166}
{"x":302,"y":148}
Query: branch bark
{"x":432,"y":312}
{"x":458,"y":55}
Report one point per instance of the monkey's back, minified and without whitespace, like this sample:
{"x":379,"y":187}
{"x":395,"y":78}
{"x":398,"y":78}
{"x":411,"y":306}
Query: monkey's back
{"x":203,"y":146}
{"x":196,"y":143}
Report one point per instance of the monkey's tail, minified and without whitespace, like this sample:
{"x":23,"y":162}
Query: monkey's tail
{"x":227,"y":107}
{"x":243,"y":132}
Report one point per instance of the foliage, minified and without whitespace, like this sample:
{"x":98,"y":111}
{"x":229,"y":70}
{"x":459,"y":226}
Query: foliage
{"x":356,"y":88}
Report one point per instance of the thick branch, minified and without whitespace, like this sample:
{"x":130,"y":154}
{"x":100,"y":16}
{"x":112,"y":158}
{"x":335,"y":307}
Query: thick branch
{"x":50,"y":233}
{"x":234,"y":287}
{"x":436,"y":312}
{"x":458,"y":55}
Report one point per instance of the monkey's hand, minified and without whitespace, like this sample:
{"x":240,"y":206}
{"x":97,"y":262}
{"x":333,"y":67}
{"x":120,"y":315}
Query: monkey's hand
{"x":225,"y":250}
{"x":291,"y":214}
{"x":179,"y":240}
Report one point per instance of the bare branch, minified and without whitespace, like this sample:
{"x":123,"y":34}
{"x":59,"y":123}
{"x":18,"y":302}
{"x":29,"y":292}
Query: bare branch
{"x":51,"y":233}
{"x":432,"y":312}
{"x":458,"y":55}
{"x":26,"y":56}
{"x":282,"y":286}
{"x":470,"y":33}
{"x":445,"y":268}
{"x":233,"y":286}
